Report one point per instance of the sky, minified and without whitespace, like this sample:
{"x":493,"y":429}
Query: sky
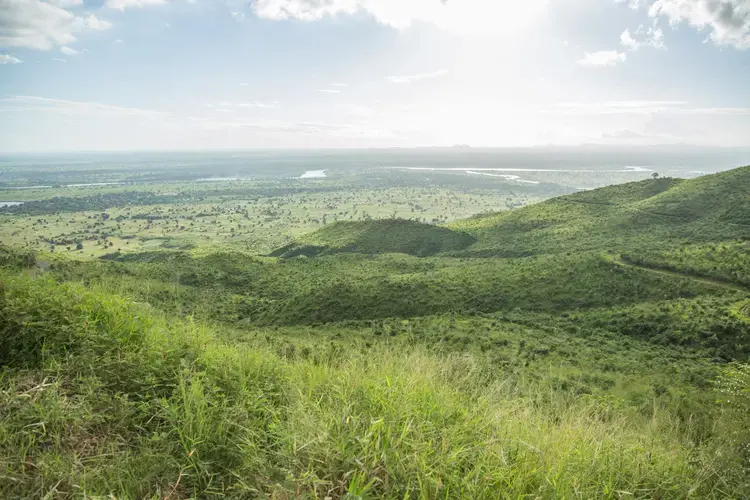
{"x":238,"y":74}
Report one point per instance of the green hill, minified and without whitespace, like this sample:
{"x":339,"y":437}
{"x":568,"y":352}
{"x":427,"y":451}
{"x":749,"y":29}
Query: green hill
{"x":641,"y":215}
{"x":593,"y":250}
{"x":378,"y":237}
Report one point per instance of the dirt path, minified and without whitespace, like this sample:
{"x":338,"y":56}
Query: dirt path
{"x":618,"y":259}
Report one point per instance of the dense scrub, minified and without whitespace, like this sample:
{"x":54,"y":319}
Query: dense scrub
{"x":727,"y":261}
{"x":234,"y":286}
{"x":138,"y":406}
{"x":17,"y":259}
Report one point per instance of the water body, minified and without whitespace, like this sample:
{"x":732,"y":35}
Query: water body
{"x":10,"y":203}
{"x":474,"y":170}
{"x":93,"y":184}
{"x":504,"y":176}
{"x":638,"y":169}
{"x":218,"y":179}
{"x":313,"y":174}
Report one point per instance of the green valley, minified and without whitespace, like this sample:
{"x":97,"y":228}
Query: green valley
{"x":377,"y":337}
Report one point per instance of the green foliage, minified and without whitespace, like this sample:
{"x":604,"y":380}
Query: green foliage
{"x":566,"y":349}
{"x":173,"y":412}
{"x":733,"y":387}
{"x":16,"y":259}
{"x":236,"y":287}
{"x":644,"y":215}
{"x":707,"y":322}
{"x":379,"y":237}
{"x":734,"y":384}
{"x":727,"y":261}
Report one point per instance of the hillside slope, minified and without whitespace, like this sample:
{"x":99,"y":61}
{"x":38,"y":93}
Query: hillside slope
{"x":101,"y":397}
{"x":640,"y":215}
{"x":378,"y":237}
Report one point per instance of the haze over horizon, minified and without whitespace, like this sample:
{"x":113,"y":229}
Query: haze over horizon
{"x":196,"y":74}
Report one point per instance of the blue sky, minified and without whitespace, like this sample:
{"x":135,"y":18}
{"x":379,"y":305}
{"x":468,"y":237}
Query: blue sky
{"x":215,"y":74}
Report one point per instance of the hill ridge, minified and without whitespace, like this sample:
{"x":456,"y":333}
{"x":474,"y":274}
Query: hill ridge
{"x":617,"y":217}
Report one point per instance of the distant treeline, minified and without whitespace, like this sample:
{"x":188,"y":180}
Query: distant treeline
{"x":106,"y":201}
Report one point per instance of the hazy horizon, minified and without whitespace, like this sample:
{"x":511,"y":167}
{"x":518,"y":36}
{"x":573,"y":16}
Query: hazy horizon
{"x":456,"y":149}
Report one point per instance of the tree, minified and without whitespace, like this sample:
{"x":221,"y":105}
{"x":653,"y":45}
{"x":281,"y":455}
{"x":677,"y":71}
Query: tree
{"x":79,"y":246}
{"x":655,"y":175}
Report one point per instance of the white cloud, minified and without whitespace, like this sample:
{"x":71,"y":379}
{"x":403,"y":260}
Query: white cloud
{"x":358,"y":110}
{"x":602,"y":58}
{"x":40,"y":25}
{"x":238,"y":16}
{"x":644,"y":37}
{"x":622,"y":134}
{"x":230,"y":123}
{"x":338,"y":85}
{"x":75,"y":107}
{"x":8,"y":59}
{"x":66,"y":4}
{"x":633,"y":4}
{"x":258,"y":104}
{"x":727,"y":21}
{"x":93,"y":22}
{"x":642,"y":108}
{"x":615,"y":107}
{"x":68,"y":51}
{"x":124,"y":4}
{"x":628,"y":41}
{"x":717,"y":111}
{"x":474,"y":17}
{"x":224,"y":105}
{"x":656,"y":38}
{"x":330,"y":91}
{"x":60,"y":60}
{"x":34,"y":24}
{"x":419,"y":77}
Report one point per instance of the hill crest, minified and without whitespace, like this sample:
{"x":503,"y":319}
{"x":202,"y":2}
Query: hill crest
{"x":378,"y":237}
{"x":710,"y":208}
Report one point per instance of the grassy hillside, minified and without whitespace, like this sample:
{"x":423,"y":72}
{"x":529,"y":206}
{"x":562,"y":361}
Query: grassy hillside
{"x":378,"y":237}
{"x":727,"y":261}
{"x":103,"y":397}
{"x":249,"y":290}
{"x":641,"y":215}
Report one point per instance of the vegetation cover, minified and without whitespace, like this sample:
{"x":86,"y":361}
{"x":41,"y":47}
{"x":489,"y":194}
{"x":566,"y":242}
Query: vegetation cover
{"x":589,"y":346}
{"x":379,"y":237}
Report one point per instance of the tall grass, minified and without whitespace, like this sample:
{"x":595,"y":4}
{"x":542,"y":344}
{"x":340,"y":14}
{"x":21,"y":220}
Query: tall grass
{"x":129,"y":403}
